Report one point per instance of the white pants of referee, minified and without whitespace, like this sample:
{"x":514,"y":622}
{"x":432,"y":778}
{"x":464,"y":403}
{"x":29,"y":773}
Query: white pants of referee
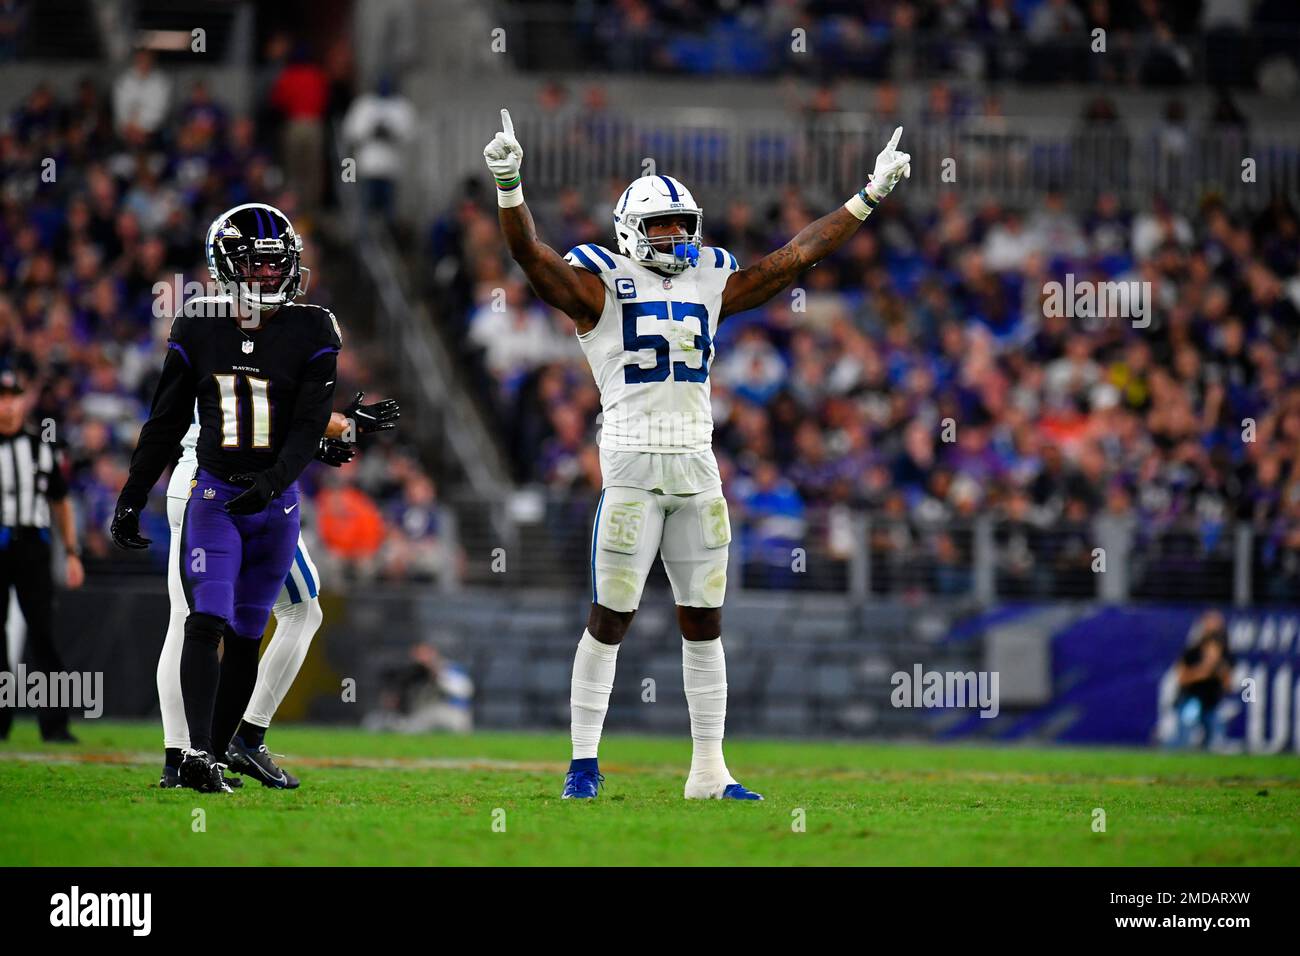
{"x":297,"y":616}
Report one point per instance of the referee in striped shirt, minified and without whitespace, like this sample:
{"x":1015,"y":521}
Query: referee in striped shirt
{"x":32,"y":492}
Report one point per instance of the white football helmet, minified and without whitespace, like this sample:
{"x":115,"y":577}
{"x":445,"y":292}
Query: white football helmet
{"x":646,"y":198}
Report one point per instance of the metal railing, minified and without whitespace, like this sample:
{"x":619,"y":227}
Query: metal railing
{"x":720,"y":155}
{"x":865,"y":557}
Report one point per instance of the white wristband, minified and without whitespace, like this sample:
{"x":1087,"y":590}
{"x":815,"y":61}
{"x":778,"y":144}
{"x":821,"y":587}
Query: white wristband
{"x":860,"y":204}
{"x":510,"y":197}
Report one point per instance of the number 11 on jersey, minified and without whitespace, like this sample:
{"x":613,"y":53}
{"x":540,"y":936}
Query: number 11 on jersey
{"x":259,"y":392}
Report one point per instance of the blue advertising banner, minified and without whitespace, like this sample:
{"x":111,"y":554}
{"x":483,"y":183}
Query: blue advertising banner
{"x":1114,"y":679}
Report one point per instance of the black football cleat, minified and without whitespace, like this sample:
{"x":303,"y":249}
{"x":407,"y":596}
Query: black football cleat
{"x":200,"y":771}
{"x":257,"y":763}
{"x":171,"y":780}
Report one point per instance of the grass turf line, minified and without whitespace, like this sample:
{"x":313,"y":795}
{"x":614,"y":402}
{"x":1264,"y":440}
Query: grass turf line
{"x":383,"y":799}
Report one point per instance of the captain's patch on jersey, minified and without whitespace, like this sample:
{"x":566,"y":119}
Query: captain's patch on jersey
{"x":625,"y":288}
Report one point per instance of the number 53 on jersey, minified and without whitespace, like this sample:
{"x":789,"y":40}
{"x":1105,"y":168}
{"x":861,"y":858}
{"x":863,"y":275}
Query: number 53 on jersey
{"x":691,"y":338}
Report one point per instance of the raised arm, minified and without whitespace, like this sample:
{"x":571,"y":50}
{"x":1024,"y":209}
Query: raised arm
{"x":575,"y":292}
{"x":750,"y":288}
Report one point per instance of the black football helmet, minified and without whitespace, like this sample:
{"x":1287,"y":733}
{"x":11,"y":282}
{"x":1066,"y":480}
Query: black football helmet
{"x":254,"y":250}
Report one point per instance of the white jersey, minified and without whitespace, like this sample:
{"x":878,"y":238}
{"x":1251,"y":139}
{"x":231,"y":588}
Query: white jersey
{"x":650,"y":353}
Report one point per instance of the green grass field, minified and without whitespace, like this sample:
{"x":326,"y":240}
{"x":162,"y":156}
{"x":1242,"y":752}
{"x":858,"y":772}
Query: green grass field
{"x":433,"y":800}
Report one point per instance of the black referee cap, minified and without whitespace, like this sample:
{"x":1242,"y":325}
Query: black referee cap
{"x":10,"y":383}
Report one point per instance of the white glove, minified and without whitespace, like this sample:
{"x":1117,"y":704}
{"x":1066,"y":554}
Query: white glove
{"x":503,"y":156}
{"x":891,"y":166}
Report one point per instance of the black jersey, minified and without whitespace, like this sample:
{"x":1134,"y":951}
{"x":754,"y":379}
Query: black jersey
{"x":264,"y":396}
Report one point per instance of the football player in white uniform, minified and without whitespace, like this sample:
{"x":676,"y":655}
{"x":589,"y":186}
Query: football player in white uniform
{"x":646,"y":317}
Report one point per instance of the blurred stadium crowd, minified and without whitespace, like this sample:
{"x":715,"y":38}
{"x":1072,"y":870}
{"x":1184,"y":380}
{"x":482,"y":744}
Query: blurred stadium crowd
{"x":839,"y":398}
{"x":95,"y":254}
{"x":830,"y":403}
{"x":1151,"y":43}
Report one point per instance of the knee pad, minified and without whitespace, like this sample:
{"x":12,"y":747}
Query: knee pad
{"x":204,"y":628}
{"x":706,"y":585}
{"x":306,"y":612}
{"x":695,"y":551}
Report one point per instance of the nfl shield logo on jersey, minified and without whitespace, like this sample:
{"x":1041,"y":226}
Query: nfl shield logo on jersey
{"x":247,"y":346}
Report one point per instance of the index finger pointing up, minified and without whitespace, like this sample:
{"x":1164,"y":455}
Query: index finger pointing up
{"x":893,"y":140}
{"x":509,"y":128}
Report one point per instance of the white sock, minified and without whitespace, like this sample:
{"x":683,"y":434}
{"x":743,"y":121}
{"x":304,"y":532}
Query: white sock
{"x":593,"y":681}
{"x":295,"y":625}
{"x":704,"y":674}
{"x":176,"y":730}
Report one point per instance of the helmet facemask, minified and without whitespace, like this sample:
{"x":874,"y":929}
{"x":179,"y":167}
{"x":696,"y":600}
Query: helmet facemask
{"x":267,"y":276}
{"x":672,"y":254}
{"x":262,"y":272}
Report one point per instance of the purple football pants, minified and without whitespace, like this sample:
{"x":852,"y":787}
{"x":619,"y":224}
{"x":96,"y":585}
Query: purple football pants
{"x":233,"y":566}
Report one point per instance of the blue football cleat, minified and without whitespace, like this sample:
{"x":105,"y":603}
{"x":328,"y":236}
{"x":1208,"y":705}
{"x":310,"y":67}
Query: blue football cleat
{"x":583,"y":780}
{"x":709,"y":785}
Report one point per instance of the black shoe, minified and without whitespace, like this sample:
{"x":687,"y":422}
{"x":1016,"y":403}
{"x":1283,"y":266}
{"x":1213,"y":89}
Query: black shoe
{"x":61,"y":737}
{"x":257,"y":763}
{"x":200,"y":771}
{"x":171,"y":780}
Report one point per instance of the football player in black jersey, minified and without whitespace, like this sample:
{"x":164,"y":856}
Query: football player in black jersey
{"x":263,"y":376}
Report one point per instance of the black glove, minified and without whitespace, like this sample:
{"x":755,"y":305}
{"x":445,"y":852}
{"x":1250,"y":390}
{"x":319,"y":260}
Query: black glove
{"x":125,"y":529}
{"x":335,"y":452}
{"x":378,"y":417}
{"x":255,"y":499}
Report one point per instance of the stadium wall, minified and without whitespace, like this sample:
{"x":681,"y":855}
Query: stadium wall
{"x":798,"y":666}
